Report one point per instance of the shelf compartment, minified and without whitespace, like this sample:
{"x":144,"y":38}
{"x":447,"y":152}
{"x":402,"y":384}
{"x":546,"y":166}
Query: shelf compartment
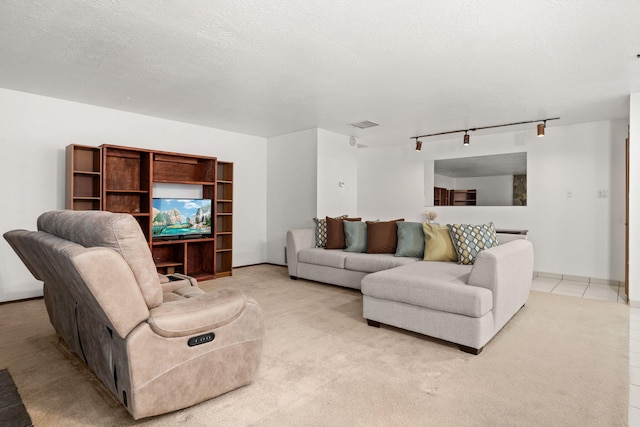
{"x":127,"y":202}
{"x":224,"y":224}
{"x":86,"y":159}
{"x":224,"y":207}
{"x":168,"y":258}
{"x":183,"y":169}
{"x":225,"y":171}
{"x":224,"y":263}
{"x":126,"y":170}
{"x":86,"y":204}
{"x":200,"y":258}
{"x":224,"y":242}
{"x":86,"y":185}
{"x":225,"y":191}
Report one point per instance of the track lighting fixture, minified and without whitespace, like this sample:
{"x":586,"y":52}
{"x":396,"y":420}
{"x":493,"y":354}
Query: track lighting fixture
{"x":541,"y":128}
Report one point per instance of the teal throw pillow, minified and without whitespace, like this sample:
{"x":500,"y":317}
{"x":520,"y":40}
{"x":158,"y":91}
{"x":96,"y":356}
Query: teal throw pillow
{"x":410,"y":239}
{"x":355,"y":236}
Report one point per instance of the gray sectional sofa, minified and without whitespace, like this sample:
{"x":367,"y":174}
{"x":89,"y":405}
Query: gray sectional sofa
{"x":464,"y":304}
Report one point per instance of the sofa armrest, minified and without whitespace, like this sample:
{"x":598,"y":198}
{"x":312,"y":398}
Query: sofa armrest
{"x":506,"y":270}
{"x":302,"y":238}
{"x":191,"y":316}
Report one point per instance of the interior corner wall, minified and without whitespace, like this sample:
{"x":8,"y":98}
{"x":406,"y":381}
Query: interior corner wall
{"x":634,"y":200}
{"x":337,"y":175}
{"x":34,"y":131}
{"x":581,"y":235}
{"x":291,"y":188}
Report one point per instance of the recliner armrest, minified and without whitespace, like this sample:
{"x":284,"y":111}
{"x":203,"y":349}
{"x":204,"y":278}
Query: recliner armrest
{"x":191,"y":316}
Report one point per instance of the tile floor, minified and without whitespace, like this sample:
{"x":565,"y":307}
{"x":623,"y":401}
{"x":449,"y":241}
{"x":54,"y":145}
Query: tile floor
{"x":614,"y":293}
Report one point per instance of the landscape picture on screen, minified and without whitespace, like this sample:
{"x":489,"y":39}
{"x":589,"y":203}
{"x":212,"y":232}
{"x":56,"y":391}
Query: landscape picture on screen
{"x":175,"y":218}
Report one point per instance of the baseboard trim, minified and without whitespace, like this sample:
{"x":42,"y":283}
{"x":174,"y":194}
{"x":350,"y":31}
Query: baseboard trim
{"x":585,"y":279}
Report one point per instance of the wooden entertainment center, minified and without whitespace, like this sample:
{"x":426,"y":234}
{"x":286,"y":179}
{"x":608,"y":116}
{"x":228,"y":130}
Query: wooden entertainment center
{"x":120,"y":179}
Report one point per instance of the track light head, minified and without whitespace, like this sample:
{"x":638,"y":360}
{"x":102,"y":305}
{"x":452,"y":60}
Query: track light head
{"x":466,"y":139}
{"x":541,"y":127}
{"x":418,"y":145}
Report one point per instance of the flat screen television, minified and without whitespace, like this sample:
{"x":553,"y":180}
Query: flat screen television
{"x":181,"y":218}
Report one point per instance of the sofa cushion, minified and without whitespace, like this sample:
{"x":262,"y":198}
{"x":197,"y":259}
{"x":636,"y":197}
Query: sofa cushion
{"x":329,"y":258}
{"x":410,"y":239}
{"x":382,"y":236}
{"x":355,"y":236}
{"x":438,"y":286}
{"x":369,"y":263}
{"x":469,"y":240}
{"x":335,"y":232}
{"x":438,"y":245}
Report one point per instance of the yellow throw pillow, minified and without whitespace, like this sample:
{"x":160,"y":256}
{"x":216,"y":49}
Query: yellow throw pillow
{"x":438,"y":245}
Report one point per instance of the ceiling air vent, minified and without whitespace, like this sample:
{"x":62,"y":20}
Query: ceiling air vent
{"x":364,"y":125}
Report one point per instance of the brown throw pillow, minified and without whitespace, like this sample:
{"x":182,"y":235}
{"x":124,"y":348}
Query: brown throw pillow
{"x":335,"y":232}
{"x":382,"y":236}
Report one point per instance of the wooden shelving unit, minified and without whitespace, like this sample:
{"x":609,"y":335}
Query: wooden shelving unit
{"x":224,"y":219}
{"x":83,"y":178}
{"x":463,"y":197}
{"x":440,"y":196}
{"x":444,"y":197}
{"x":120,"y":179}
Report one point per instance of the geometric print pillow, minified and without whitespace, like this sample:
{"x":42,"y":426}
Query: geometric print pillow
{"x":469,"y":240}
{"x":321,"y":231}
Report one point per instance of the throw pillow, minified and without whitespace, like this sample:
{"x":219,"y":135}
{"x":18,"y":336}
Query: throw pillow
{"x":335,"y":232}
{"x":321,"y":231}
{"x":410,"y":239}
{"x":382,"y":236}
{"x":469,"y":240}
{"x":355,"y":236}
{"x":438,"y":245}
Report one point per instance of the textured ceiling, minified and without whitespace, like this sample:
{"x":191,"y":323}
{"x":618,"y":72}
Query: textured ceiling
{"x":270,"y":67}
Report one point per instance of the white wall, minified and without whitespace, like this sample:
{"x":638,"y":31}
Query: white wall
{"x":634,"y":200}
{"x":582,"y":235}
{"x":337,"y":162}
{"x":291,"y":187}
{"x":34,"y":131}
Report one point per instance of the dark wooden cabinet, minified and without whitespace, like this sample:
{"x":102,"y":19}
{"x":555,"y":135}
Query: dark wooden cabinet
{"x":120,"y":179}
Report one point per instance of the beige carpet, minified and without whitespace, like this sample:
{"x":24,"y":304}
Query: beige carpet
{"x":561,"y":361}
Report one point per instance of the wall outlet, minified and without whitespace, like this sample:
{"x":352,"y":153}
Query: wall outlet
{"x":602,"y":194}
{"x":569,"y":194}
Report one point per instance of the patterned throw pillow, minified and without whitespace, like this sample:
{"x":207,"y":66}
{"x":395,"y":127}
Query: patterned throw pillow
{"x":469,"y":240}
{"x":321,"y":231}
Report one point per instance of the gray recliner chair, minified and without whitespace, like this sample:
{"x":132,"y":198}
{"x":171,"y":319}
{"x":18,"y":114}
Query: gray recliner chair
{"x":158,"y":345}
